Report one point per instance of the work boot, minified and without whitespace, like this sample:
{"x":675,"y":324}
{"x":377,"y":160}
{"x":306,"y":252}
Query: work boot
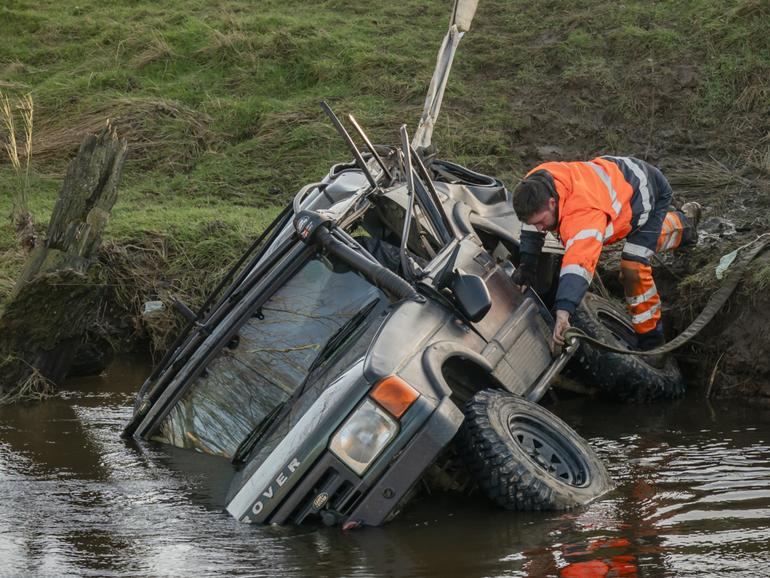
{"x":653,"y":341}
{"x":692,"y":211}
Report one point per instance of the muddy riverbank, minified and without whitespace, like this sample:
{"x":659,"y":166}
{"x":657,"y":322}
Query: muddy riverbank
{"x":692,"y":498}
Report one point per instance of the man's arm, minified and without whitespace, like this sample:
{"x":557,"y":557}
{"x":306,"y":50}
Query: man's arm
{"x":583,"y":235}
{"x":530,"y":245}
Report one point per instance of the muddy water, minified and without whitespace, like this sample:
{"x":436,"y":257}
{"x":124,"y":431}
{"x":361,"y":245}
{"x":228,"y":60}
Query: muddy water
{"x":693,"y":499}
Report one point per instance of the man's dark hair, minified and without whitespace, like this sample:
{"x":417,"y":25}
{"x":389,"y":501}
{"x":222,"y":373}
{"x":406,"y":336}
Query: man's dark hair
{"x":532,"y":193}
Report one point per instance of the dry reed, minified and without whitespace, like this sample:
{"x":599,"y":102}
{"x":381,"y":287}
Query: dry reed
{"x":695,"y":175}
{"x":34,"y":387}
{"x":158,"y":131}
{"x":19,"y":153}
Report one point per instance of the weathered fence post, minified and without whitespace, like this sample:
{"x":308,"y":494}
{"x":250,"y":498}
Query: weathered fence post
{"x":55,"y":299}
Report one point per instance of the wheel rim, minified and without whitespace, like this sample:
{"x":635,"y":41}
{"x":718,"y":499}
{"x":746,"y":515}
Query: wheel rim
{"x":548,"y":451}
{"x":619,"y":328}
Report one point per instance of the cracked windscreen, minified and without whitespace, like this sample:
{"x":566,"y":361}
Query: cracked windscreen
{"x":269,"y":359}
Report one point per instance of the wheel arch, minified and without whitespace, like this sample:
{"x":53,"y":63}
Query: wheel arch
{"x":458,"y":370}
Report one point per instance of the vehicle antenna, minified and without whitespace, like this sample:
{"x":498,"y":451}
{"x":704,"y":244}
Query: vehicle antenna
{"x":349,"y":141}
{"x":369,"y":146}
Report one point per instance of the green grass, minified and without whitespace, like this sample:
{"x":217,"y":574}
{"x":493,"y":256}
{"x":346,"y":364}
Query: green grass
{"x":220,"y":100}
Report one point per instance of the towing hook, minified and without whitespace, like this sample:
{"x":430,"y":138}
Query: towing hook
{"x":306,"y":223}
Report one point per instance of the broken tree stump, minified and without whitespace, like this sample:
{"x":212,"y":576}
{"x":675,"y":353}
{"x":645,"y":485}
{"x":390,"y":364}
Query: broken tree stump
{"x":57,"y":297}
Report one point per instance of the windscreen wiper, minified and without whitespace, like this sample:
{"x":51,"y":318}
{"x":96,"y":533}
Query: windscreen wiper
{"x":339,"y":337}
{"x":256,"y":434}
{"x":332,"y":345}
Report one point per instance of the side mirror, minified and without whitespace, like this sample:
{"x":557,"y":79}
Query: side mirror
{"x":471,"y":295}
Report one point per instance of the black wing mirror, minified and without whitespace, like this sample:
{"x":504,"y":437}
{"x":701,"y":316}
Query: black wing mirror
{"x":471,"y":295}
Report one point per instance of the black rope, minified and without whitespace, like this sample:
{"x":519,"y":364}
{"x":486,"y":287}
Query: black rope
{"x":715,"y":303}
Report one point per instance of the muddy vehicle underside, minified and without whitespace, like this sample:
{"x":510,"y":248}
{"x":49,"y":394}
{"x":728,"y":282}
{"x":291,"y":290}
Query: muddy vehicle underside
{"x":357,"y":334}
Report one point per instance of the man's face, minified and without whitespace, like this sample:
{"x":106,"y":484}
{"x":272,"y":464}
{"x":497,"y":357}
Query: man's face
{"x":545,"y":219}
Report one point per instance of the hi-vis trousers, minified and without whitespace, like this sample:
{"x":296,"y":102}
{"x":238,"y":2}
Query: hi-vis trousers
{"x":665,"y":230}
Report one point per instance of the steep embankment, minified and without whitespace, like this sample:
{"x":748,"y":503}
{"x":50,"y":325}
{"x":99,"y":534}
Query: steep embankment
{"x":219,"y":103}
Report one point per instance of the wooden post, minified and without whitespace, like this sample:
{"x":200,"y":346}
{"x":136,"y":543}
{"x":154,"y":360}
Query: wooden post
{"x":56,"y":296}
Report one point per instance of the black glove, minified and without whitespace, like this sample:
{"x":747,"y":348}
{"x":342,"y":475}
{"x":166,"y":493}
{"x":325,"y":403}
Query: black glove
{"x":525,"y":275}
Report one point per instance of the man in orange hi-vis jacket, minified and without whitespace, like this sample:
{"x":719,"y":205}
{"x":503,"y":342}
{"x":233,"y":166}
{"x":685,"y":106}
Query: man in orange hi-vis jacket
{"x":595,"y":203}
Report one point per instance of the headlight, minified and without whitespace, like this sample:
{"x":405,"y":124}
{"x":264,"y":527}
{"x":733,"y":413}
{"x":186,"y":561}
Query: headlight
{"x":363,"y":436}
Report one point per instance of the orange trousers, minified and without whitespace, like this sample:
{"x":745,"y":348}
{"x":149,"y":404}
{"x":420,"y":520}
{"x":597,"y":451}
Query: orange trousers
{"x":642,"y":299}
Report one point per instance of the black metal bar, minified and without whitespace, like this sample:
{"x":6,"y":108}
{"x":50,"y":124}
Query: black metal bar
{"x":379,"y":276}
{"x":370,"y":146}
{"x":406,"y":263}
{"x":341,"y":234}
{"x":425,"y":177}
{"x":349,"y":141}
{"x":186,"y":312}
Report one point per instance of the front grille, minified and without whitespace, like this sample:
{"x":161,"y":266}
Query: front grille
{"x":341,"y":496}
{"x":328,"y":476}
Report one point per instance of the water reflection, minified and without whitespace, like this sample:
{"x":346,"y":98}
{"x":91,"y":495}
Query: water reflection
{"x":693,"y":499}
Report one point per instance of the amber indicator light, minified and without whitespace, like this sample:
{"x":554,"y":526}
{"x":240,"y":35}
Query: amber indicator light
{"x":395,"y":395}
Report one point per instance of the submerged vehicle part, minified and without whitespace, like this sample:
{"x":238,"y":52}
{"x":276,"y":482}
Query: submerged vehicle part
{"x":329,"y":380}
{"x":333,"y":370}
{"x":269,"y":358}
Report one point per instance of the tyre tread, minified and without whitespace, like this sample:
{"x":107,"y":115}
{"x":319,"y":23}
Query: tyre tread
{"x":500,"y":474}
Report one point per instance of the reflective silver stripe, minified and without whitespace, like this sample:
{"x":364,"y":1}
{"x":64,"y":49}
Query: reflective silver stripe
{"x":576,"y":270}
{"x":609,"y":231}
{"x":637,"y":250}
{"x":607,"y":183}
{"x":646,"y":316}
{"x":585,"y":234}
{"x":637,"y":299}
{"x":644,"y":188}
{"x":675,"y":238}
{"x":671,"y":241}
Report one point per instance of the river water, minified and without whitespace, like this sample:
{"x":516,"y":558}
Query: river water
{"x":692,"y":499}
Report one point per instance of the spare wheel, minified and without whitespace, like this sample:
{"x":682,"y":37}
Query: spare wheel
{"x":626,"y":377}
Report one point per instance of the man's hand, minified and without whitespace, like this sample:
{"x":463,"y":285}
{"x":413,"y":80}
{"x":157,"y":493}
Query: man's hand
{"x":525,"y":276}
{"x":560,"y":326}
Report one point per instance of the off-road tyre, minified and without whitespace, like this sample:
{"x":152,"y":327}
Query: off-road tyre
{"x":526,"y":458}
{"x":624,"y":377}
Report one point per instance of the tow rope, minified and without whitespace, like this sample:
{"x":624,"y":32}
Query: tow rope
{"x":715,"y":303}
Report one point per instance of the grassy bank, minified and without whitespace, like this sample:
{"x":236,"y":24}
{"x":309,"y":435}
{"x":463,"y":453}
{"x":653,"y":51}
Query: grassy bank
{"x":219,"y":102}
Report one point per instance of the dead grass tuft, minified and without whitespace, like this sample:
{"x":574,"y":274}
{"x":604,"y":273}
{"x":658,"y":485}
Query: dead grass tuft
{"x":158,"y":131}
{"x":695,"y":175}
{"x":233,"y":42}
{"x":15,"y":66}
{"x":753,"y":97}
{"x":760,"y":159}
{"x":34,"y":387}
{"x":158,"y":50}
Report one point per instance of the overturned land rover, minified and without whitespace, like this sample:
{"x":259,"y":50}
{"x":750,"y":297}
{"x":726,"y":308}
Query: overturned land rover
{"x":371,"y":328}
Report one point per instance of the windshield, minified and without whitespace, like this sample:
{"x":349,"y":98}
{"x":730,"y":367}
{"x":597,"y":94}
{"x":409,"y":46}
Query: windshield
{"x":268,"y":360}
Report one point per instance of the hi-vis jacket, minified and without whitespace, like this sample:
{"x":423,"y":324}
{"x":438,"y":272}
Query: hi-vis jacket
{"x":600,"y":202}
